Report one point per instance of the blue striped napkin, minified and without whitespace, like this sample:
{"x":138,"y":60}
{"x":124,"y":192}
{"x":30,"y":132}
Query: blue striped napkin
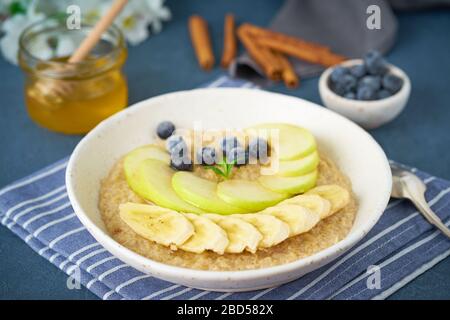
{"x":402,"y":245}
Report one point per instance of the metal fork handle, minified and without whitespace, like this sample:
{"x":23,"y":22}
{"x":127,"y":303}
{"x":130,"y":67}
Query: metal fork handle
{"x":432,"y":218}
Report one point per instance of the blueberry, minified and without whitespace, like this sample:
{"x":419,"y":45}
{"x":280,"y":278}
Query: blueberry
{"x":383,"y":94}
{"x":238,"y":155}
{"x":358,"y":71}
{"x":338,"y":73}
{"x":229,"y":143}
{"x":165,"y":129}
{"x":337,"y":88}
{"x":350,"y":95}
{"x":206,"y":156}
{"x":258,"y":149}
{"x":366,"y":93}
{"x":348,"y":82}
{"x":375,"y":64}
{"x":392,"y":83}
{"x":179,"y":158}
{"x":373,"y":82}
{"x":344,"y":83}
{"x":173,"y":141}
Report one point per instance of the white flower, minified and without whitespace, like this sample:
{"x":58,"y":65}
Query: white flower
{"x":137,"y":16}
{"x":91,"y":10}
{"x":9,"y":42}
{"x":12,"y":28}
{"x":131,"y":21}
{"x":40,"y":47}
{"x":134,"y":21}
{"x":156,"y":13}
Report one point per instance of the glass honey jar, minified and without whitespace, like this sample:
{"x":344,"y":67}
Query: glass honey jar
{"x":65,"y":97}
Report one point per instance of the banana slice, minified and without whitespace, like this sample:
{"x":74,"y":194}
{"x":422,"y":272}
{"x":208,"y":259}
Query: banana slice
{"x":313,"y":202}
{"x":298,"y":218}
{"x":273,"y":230}
{"x":157,"y":224}
{"x":207,"y":236}
{"x":241,"y":234}
{"x":338,"y":196}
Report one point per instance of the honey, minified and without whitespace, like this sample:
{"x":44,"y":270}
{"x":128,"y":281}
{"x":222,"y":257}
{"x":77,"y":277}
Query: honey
{"x":74,"y":98}
{"x":88,"y":102}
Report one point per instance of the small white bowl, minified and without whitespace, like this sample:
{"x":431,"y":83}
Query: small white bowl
{"x":354,"y":151}
{"x":368,"y":114}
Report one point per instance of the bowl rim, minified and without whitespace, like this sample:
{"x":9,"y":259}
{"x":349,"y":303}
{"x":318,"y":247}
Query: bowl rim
{"x":175,"y":271}
{"x":353,"y":103}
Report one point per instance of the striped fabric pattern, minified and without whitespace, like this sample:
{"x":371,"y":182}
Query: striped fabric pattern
{"x":402,"y":245}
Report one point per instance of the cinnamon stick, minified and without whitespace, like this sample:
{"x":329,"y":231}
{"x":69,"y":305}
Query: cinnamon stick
{"x":288,"y":74}
{"x":296,"y":47}
{"x":325,"y":58}
{"x":262,"y":56}
{"x":263,"y":32}
{"x":229,"y":41}
{"x":201,"y":41}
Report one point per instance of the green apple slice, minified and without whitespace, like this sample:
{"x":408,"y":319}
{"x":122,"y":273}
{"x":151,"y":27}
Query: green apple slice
{"x":201,"y":193}
{"x":248,"y":194}
{"x":152,"y":181}
{"x":136,"y":156}
{"x":291,"y":185}
{"x":292,"y":168}
{"x":293,"y":142}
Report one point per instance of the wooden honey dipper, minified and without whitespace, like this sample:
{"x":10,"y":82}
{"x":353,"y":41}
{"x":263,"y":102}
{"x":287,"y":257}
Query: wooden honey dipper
{"x":54,"y":90}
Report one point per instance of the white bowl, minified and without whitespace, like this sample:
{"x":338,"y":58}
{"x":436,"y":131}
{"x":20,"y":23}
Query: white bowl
{"x":354,"y":151}
{"x":368,"y":114}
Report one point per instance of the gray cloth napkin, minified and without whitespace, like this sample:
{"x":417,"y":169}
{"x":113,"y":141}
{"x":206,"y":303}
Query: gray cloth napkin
{"x":418,"y":4}
{"x":340,"y":25}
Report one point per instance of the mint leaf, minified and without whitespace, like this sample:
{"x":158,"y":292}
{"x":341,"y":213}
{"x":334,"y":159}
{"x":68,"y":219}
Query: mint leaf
{"x":216,"y":171}
{"x":223,"y":168}
{"x":230,"y":167}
